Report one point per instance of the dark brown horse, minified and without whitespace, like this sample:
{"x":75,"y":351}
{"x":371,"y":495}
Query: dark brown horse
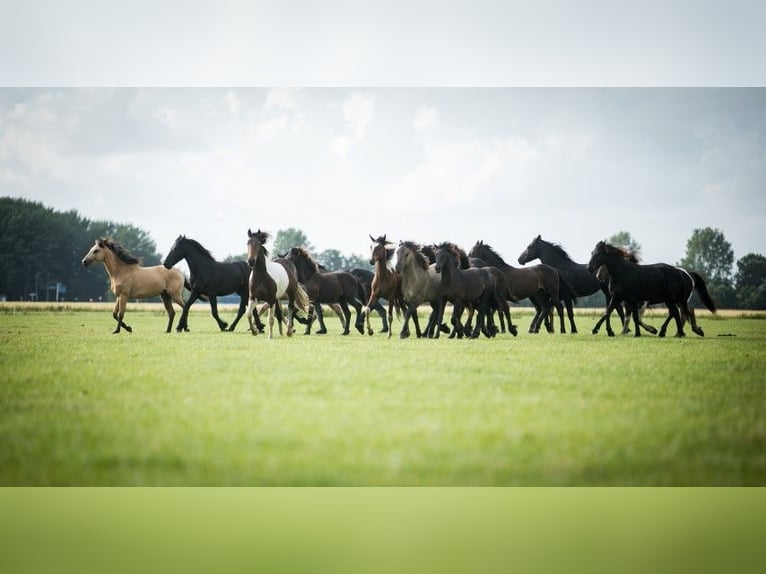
{"x":386,"y":282}
{"x":539,"y":284}
{"x":331,"y":287}
{"x":271,"y":281}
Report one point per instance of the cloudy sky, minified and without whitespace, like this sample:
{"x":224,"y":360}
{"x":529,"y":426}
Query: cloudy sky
{"x":444,"y":161}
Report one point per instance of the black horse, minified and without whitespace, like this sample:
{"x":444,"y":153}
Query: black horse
{"x":576,"y":276}
{"x":329,"y":287}
{"x":656,"y":283}
{"x":464,"y":287}
{"x":210,"y":278}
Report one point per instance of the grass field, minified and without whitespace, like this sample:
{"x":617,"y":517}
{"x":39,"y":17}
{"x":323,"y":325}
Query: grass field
{"x":80,"y":406}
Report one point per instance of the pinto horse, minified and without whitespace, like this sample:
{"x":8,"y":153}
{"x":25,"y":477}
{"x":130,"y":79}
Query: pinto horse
{"x":539,"y":283}
{"x":209,"y":278}
{"x":386,"y":282}
{"x":331,"y":287}
{"x":270,"y":281}
{"x":129,"y":280}
{"x":657,"y":283}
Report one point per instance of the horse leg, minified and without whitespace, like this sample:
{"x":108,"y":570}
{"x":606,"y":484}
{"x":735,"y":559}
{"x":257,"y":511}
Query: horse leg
{"x":214,"y":311}
{"x":386,"y":328}
{"x":646,"y":326}
{"x":168,"y":302}
{"x":119,"y":313}
{"x":677,"y":316}
{"x":240,"y":312}
{"x":320,"y":319}
{"x":570,"y":314}
{"x":405,"y":332}
{"x":636,"y":322}
{"x":250,"y":316}
{"x":183,"y":322}
{"x":310,"y":318}
{"x":560,"y":311}
{"x":346,"y":317}
{"x":692,"y":318}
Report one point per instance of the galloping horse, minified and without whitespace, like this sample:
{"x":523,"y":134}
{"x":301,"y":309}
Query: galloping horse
{"x":539,"y":283}
{"x":129,"y":280}
{"x":656,"y":283}
{"x":332,"y":287}
{"x":386,"y":282}
{"x":473,"y":286}
{"x":209,"y":278}
{"x":271,"y":281}
{"x":365,"y":277}
{"x":420,"y":284}
{"x":581,"y":282}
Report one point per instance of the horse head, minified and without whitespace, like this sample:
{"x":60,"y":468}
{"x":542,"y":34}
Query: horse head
{"x":532,"y":251}
{"x":256,"y":245}
{"x":446,"y":253}
{"x":599,"y":256}
{"x":176,"y":252}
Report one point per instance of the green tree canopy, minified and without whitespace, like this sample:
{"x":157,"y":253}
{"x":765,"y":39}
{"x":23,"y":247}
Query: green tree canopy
{"x":750,"y":281}
{"x":286,"y":239}
{"x":709,"y":254}
{"x":625,"y":239}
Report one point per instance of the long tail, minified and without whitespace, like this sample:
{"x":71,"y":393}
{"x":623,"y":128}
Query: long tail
{"x":701,"y":288}
{"x":302,"y":299}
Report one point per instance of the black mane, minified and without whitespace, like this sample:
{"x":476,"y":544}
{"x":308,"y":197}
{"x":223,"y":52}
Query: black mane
{"x":198,"y":247}
{"x":560,"y":251}
{"x":123,"y":254}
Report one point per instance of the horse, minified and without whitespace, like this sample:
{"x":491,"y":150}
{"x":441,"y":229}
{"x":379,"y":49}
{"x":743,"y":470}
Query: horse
{"x":129,"y":280}
{"x":472,"y":286}
{"x":365,"y":277}
{"x":539,"y":283}
{"x":581,"y":282}
{"x":209,"y":278}
{"x":386,"y":282}
{"x":270,"y":281}
{"x":634,"y":283}
{"x":420,"y":284}
{"x":331,"y":287}
{"x":602,"y":274}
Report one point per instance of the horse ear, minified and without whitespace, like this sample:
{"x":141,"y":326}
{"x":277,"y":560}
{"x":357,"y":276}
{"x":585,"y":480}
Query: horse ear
{"x":249,"y":233}
{"x":384,"y":238}
{"x":371,"y":238}
{"x":538,"y":237}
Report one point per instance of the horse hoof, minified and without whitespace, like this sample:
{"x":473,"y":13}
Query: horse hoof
{"x":594,"y":332}
{"x":661,"y":335}
{"x":384,"y":330}
{"x":369,"y":332}
{"x":610,"y":333}
{"x":404,"y":335}
{"x":344,"y":333}
{"x":324,"y":332}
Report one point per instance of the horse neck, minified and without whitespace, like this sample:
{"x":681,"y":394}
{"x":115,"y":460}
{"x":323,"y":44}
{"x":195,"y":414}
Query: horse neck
{"x":196,"y":259}
{"x":449,"y":271}
{"x":304,"y":271}
{"x":381,"y":267}
{"x":260,"y":261}
{"x":114,"y":265}
{"x":552,"y":257}
{"x":493,"y":259}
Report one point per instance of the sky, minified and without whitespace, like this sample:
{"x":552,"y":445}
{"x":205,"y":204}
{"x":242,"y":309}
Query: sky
{"x":370,"y":118}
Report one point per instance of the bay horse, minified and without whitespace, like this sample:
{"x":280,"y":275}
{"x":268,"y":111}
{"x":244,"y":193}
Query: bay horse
{"x":634,"y":283}
{"x":473,"y":286}
{"x":365,"y":277}
{"x":330,"y":287}
{"x":420,"y":284}
{"x":271,"y":281}
{"x":128,"y":279}
{"x":209,"y":278}
{"x":539,"y":283}
{"x":576,"y":275}
{"x":386,"y":282}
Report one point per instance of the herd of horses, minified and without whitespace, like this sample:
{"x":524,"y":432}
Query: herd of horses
{"x":479,"y":283}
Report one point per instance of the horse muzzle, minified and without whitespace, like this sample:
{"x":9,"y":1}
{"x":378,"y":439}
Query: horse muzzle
{"x":251,"y":262}
{"x":85,"y":262}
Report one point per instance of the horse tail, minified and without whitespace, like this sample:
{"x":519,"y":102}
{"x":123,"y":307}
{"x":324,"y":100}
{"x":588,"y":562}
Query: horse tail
{"x":188,"y":287}
{"x":301,"y":298}
{"x":701,"y":288}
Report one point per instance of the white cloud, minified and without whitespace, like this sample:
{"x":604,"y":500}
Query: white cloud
{"x":281,"y":98}
{"x":232,"y":102}
{"x":358,"y":110}
{"x":426,"y":117}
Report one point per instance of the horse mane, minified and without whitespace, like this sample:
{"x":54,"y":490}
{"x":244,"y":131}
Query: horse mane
{"x":429,"y":251}
{"x":461,"y":258}
{"x":560,"y":251}
{"x":199,"y":247}
{"x":123,"y":254}
{"x":624,"y":252}
{"x":262,"y":237}
{"x":417,"y":250}
{"x":302,"y":253}
{"x":485,"y":251}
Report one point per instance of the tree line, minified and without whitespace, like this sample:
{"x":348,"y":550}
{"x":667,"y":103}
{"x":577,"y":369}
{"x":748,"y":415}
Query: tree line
{"x":41,"y":250}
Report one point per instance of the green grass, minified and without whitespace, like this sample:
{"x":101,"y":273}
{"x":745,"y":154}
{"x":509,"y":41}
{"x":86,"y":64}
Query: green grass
{"x":80,"y":406}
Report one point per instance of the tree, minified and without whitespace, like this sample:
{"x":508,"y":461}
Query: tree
{"x":288,"y":238}
{"x":355,"y":261}
{"x":624,"y":239}
{"x":709,"y":254}
{"x":331,"y":259}
{"x":750,"y":281}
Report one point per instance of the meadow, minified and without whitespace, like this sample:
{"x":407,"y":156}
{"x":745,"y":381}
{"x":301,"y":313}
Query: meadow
{"x":80,"y":406}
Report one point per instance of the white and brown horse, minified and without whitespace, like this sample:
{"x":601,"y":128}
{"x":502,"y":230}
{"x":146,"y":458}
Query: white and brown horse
{"x":129,"y":280}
